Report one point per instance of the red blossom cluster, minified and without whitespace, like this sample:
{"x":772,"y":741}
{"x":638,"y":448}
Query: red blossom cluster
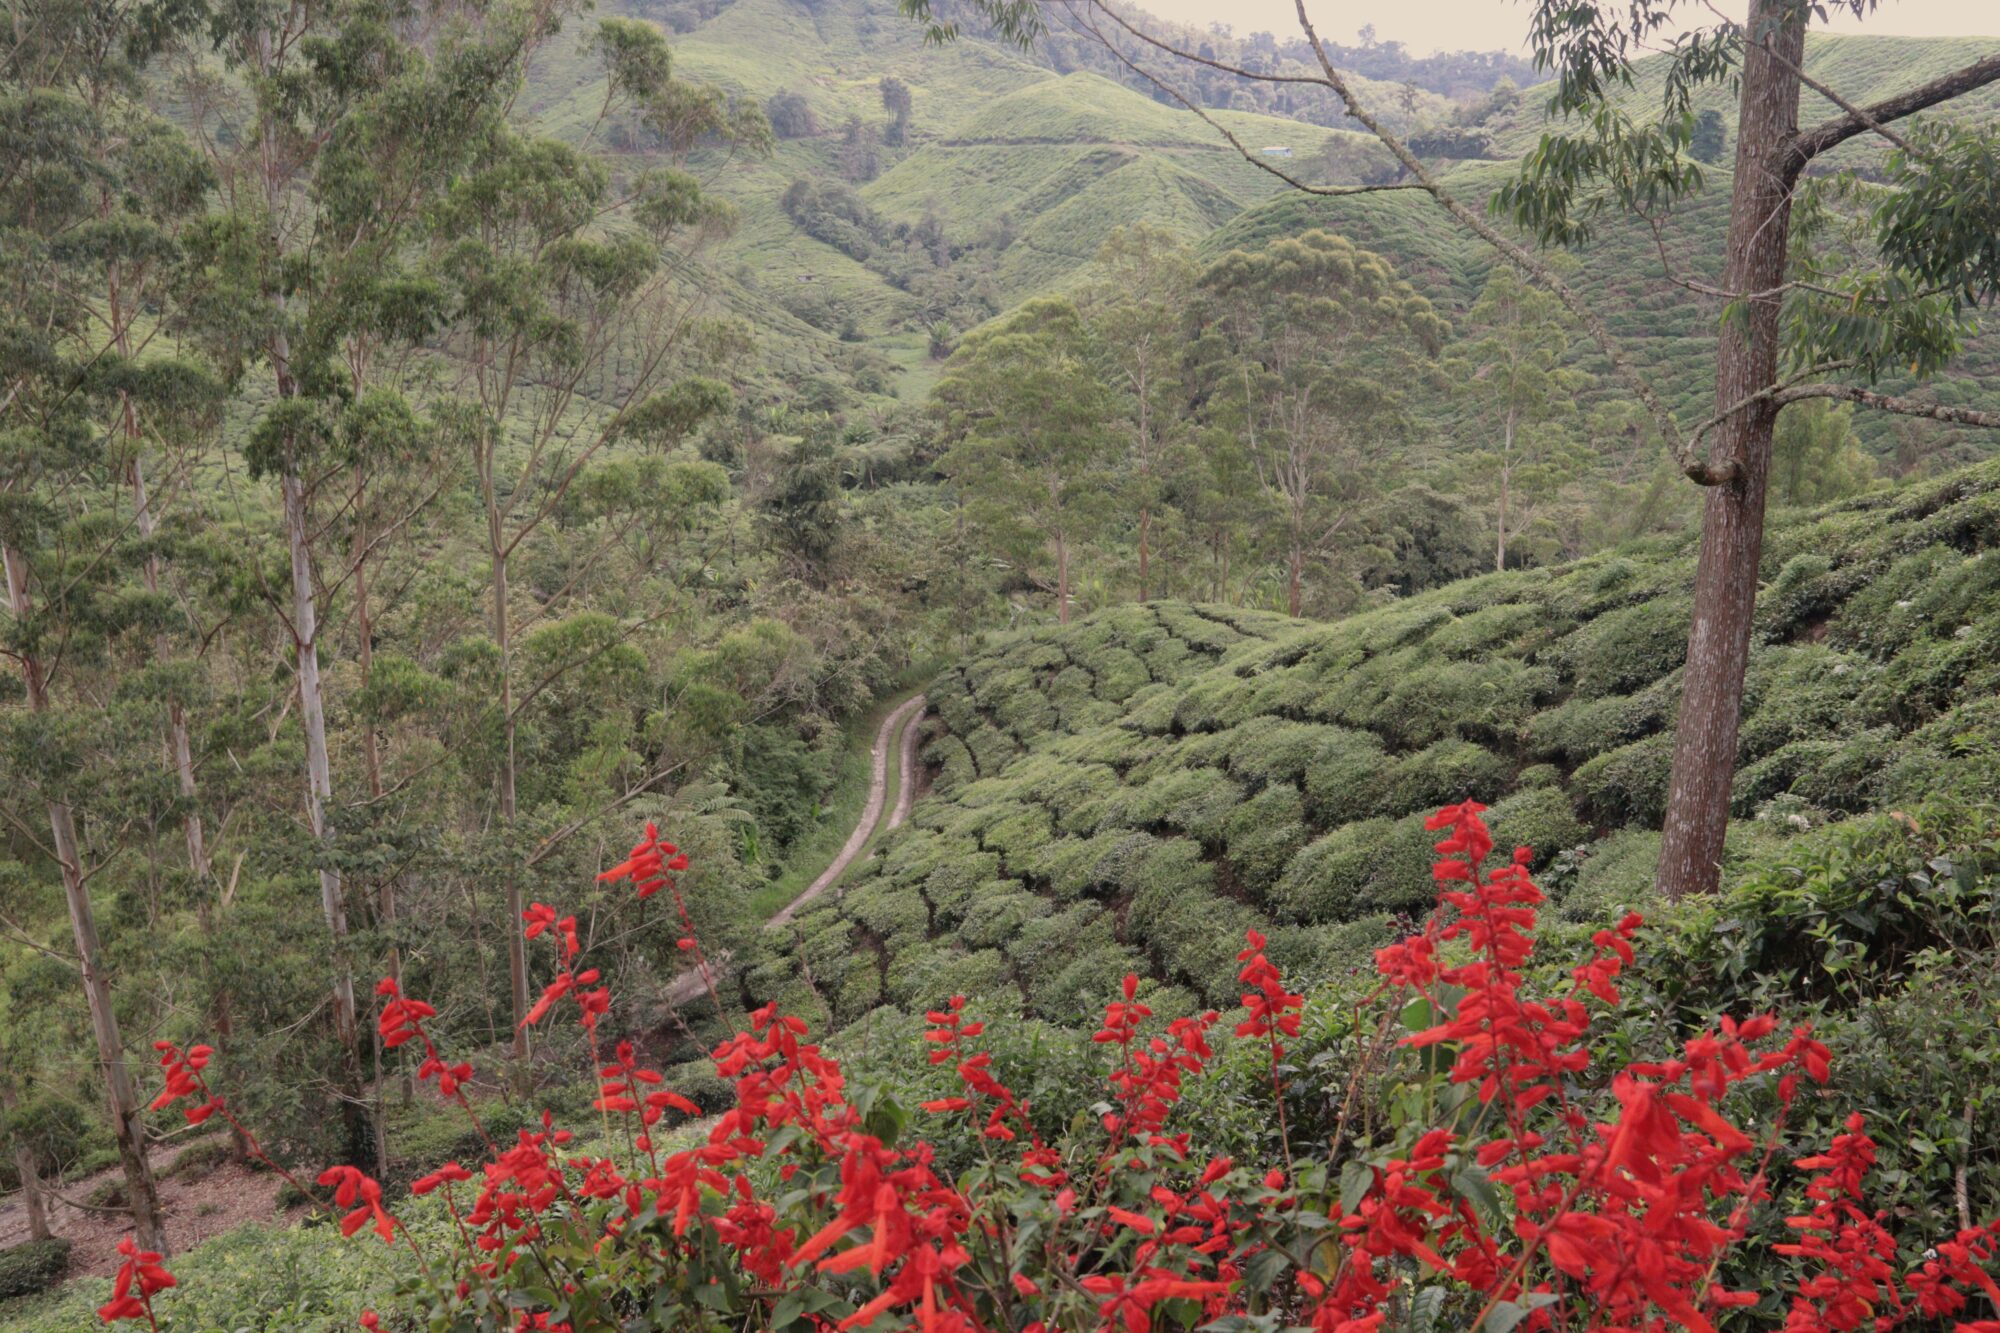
{"x":1601,"y":1212}
{"x":402,"y":1022}
{"x":140,"y":1278}
{"x":184,"y":1081}
{"x":591,"y":1004}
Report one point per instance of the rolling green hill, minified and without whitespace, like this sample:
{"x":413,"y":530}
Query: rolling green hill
{"x":1060,"y":159}
{"x":1862,"y":69}
{"x":1135,"y":791}
{"x":1667,"y":329}
{"x":1027,"y":170}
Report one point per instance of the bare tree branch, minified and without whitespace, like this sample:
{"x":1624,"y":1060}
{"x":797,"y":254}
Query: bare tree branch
{"x":1695,"y":469}
{"x":1253,"y":159}
{"x":1808,"y":144}
{"x":1827,"y":368}
{"x":1882,"y":402}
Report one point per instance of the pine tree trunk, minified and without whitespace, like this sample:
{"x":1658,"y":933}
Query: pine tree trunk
{"x":1732,"y":531}
{"x":127,"y":1127}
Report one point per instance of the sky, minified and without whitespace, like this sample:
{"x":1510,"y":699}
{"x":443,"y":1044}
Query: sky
{"x":1485,"y":25}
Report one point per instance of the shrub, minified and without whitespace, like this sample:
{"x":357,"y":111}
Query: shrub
{"x":1327,"y":880}
{"x":1261,"y":838}
{"x":1446,"y":771}
{"x":1627,"y":785}
{"x":1581,"y":729}
{"x":1345,"y":780}
{"x":1613,"y":876}
{"x":34,"y":1266}
{"x":199,"y":1159}
{"x":1533,"y":1148}
{"x":1541,"y":818}
{"x":1441,"y":699}
{"x":1797,"y":693}
{"x":1622,"y":650}
{"x":950,"y":762}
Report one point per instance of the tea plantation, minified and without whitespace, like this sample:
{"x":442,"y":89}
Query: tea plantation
{"x":1131,"y":793}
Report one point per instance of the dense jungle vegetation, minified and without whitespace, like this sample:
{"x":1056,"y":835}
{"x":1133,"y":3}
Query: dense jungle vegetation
{"x":440,"y":441}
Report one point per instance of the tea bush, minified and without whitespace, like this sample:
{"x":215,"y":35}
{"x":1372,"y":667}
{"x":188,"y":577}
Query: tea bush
{"x":1278,"y":749}
{"x":33,"y":1266}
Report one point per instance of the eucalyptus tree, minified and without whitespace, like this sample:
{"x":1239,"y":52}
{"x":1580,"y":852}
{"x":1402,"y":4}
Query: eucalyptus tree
{"x":329,"y":169}
{"x":1138,"y":306}
{"x":572,"y":294}
{"x":93,"y":188}
{"x":1798,"y":322}
{"x":1522,"y":398}
{"x":1303,"y":347}
{"x":1028,"y":418}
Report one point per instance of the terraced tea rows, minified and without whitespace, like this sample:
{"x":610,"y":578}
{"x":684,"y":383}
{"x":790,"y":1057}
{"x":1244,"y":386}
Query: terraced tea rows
{"x":1131,"y":793}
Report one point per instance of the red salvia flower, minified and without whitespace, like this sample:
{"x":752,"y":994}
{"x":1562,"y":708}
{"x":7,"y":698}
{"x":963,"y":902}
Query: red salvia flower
{"x":140,"y":1278}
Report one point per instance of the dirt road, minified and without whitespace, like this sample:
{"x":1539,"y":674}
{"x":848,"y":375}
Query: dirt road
{"x":902,"y":723}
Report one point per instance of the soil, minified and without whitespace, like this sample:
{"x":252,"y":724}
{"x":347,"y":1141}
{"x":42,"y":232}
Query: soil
{"x":194,"y":1207}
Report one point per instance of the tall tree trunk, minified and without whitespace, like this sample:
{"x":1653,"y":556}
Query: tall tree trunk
{"x":517,"y":947}
{"x":305,"y":636}
{"x":1062,"y":579}
{"x":321,"y":785}
{"x":180,"y":756}
{"x":1145,"y":532}
{"x":26,"y":1169}
{"x":127,"y":1127}
{"x":1295,"y":580}
{"x":1732,"y":530}
{"x":385,"y":906}
{"x":1506,"y":477}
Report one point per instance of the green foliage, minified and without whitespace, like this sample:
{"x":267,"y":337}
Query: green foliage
{"x":33,"y":1266}
{"x":1816,"y":457}
{"x":1276,"y":773}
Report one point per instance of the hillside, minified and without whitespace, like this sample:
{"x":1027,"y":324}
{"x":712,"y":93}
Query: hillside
{"x":1668,"y":330}
{"x":1024,"y":164}
{"x":1131,"y":793}
{"x":1863,"y":69}
{"x":1026,"y":171}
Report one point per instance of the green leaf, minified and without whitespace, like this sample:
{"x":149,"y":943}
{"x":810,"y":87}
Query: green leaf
{"x":1506,"y":1314}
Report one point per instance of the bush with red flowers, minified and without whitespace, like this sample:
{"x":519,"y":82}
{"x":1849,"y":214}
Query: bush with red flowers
{"x":1527,"y":1179}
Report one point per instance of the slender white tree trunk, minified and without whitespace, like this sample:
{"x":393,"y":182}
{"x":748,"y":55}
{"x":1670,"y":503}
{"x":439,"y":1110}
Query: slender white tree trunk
{"x":127,"y":1127}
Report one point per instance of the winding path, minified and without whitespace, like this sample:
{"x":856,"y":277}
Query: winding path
{"x":903,"y":721}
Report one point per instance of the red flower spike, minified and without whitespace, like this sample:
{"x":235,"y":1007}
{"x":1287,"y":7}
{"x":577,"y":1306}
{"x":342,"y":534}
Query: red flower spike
{"x":139,"y":1278}
{"x":1623,"y":1188}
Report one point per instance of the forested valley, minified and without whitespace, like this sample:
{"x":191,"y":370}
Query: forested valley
{"x":778,"y":665}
